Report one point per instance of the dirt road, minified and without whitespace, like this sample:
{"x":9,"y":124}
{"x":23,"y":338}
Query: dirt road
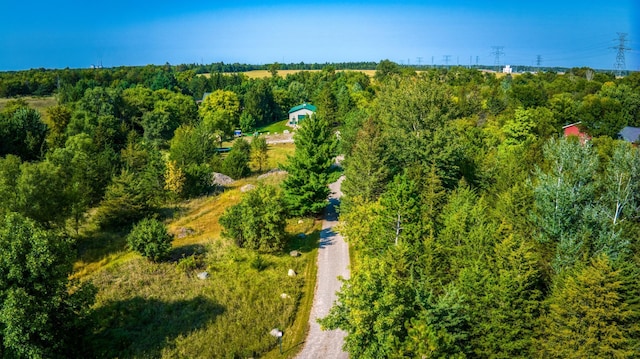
{"x":333,"y":261}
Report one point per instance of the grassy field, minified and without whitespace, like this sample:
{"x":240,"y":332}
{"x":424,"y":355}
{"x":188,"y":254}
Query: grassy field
{"x":149,"y":310}
{"x":39,"y":103}
{"x":276,"y":127}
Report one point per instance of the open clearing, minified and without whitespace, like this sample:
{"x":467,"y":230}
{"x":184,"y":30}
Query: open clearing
{"x":164,"y":310}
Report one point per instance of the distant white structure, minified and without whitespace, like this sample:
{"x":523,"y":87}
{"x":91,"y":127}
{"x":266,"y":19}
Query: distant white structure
{"x":507,"y":69}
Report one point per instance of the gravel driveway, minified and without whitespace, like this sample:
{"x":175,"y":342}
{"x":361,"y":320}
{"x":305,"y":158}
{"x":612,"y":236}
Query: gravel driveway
{"x":333,"y":261}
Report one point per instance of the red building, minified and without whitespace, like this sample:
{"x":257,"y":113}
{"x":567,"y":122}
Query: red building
{"x":575,"y":129}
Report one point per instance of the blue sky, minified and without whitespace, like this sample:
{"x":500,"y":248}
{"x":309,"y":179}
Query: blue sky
{"x":66,"y":33}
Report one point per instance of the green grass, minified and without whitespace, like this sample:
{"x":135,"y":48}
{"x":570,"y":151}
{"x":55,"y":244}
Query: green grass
{"x":278,"y":153}
{"x":276,"y":127}
{"x":163,"y":310}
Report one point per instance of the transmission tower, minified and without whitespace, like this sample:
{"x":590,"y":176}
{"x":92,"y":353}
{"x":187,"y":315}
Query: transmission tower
{"x":419,"y":61}
{"x":620,"y":65}
{"x":446,"y":59}
{"x":538,"y":60}
{"x":497,"y":52}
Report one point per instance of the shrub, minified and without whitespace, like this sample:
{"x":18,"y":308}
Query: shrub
{"x":258,"y":221}
{"x":150,"y":238}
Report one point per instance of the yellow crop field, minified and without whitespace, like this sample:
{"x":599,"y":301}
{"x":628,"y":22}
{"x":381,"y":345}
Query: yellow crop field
{"x":259,"y":74}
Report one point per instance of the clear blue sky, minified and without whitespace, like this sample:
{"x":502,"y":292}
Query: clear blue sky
{"x":58,"y":34}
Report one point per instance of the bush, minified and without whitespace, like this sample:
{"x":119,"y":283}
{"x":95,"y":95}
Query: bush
{"x":150,"y":238}
{"x":258,"y":221}
{"x":236,"y":164}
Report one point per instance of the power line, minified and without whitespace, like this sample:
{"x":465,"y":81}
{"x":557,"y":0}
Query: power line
{"x":620,"y":65}
{"x":497,"y":52}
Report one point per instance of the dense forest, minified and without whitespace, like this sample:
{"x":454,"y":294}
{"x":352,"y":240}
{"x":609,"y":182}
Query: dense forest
{"x":477,"y":229}
{"x":480,"y":231}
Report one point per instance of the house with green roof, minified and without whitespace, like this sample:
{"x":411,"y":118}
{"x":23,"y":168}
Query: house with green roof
{"x":300,"y":112}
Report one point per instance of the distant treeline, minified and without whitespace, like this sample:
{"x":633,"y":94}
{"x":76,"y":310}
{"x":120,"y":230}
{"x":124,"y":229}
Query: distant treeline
{"x":45,"y":82}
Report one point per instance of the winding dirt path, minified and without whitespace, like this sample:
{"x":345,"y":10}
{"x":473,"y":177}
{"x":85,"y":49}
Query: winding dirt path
{"x":333,"y":261}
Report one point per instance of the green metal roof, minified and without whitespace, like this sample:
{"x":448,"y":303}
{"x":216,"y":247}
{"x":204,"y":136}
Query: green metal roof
{"x":307,"y":106}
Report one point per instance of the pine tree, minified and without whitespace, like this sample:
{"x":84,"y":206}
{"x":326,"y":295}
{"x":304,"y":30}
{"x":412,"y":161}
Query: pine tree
{"x":305,"y":188}
{"x":366,"y":172}
{"x":563,"y":196}
{"x":587,"y":316}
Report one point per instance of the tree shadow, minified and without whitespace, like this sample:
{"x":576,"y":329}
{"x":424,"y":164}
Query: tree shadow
{"x":186,"y":251}
{"x":140,"y":327}
{"x":171,"y":211}
{"x":327,"y":237}
{"x":303,"y":244}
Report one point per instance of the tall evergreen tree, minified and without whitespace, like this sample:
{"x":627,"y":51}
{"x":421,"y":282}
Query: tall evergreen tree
{"x":365,"y":168}
{"x":306,"y":187}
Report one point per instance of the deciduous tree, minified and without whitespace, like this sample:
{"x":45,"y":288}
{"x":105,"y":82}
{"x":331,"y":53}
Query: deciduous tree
{"x":40,"y":316}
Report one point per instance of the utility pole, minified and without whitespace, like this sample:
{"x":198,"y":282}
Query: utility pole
{"x":620,"y":64}
{"x":497,"y":52}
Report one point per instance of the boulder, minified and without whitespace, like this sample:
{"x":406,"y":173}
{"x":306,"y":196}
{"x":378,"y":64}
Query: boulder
{"x":203,"y":275}
{"x":294,"y":254}
{"x":292,"y":273}
{"x":219,"y":179}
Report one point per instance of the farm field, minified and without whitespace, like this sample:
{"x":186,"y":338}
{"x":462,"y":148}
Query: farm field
{"x":258,"y":74}
{"x":39,"y":103}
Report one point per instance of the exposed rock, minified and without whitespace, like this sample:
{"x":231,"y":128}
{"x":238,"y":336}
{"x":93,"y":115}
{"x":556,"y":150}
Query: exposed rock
{"x":203,"y":275}
{"x":292,"y":273}
{"x":284,"y":296}
{"x":219,"y":179}
{"x":185,"y":232}
{"x":272,"y":172}
{"x":247,"y":188}
{"x":300,"y":221}
{"x":294,"y":254}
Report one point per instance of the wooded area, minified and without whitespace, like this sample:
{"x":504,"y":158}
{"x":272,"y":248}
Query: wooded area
{"x":478,"y":229}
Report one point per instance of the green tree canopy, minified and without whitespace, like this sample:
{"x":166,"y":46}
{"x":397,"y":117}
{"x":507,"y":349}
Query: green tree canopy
{"x":39,"y":315}
{"x":220,"y":112}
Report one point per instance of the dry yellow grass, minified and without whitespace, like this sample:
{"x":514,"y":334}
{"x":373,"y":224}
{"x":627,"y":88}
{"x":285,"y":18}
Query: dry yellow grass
{"x":260,"y":74}
{"x":39,"y":103}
